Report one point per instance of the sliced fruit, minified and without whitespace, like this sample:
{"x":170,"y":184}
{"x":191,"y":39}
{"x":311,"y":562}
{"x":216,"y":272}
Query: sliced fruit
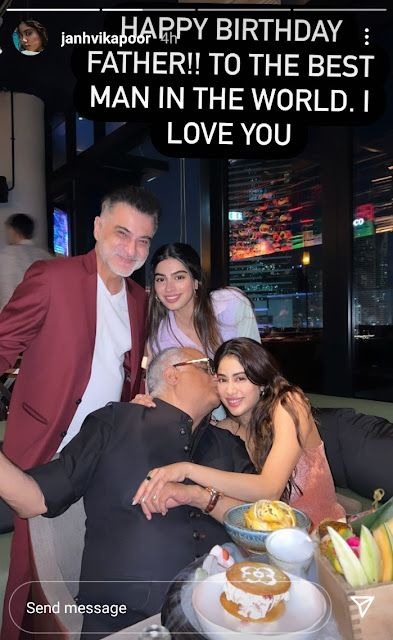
{"x":353,"y":570}
{"x":327,"y":550}
{"x":389,"y":525}
{"x":370,"y":556}
{"x":225,"y":554}
{"x":384,"y":540}
{"x":354,"y":543}
{"x":342,"y":528}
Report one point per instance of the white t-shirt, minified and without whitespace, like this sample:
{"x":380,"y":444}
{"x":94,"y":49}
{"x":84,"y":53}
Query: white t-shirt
{"x":113,"y":340}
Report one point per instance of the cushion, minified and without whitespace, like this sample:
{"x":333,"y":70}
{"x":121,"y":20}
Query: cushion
{"x":350,"y":504}
{"x":367,"y":447}
{"x":357,"y":503}
{"x":327,"y":421}
{"x":364,"y":446}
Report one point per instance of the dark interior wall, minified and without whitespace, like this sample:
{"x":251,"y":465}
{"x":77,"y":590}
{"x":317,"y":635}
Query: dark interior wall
{"x":79,"y":186}
{"x":179,"y":193}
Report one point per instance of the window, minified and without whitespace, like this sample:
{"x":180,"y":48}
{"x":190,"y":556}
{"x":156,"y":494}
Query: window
{"x":373,"y":268}
{"x":84,"y":133}
{"x":275,"y":246}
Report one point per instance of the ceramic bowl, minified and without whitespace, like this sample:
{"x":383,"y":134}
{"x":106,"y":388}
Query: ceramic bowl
{"x":249,"y":539}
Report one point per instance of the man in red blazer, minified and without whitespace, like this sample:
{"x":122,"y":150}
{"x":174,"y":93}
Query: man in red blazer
{"x":64,"y":317}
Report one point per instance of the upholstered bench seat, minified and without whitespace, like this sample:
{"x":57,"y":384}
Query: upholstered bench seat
{"x":359,"y":449}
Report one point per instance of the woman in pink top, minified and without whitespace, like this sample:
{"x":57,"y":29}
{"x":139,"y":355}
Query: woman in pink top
{"x":275,"y":421}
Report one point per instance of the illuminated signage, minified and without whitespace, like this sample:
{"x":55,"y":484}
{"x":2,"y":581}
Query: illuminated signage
{"x":363,"y":221}
{"x":235,"y":216}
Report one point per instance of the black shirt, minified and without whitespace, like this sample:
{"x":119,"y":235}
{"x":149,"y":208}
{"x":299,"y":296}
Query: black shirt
{"x":105,"y":464}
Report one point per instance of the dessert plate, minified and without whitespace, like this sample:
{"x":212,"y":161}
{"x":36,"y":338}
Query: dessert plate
{"x":304,"y":613}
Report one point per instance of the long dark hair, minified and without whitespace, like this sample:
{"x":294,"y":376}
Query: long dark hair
{"x":41,"y":30}
{"x":205,"y":322}
{"x":262,"y":370}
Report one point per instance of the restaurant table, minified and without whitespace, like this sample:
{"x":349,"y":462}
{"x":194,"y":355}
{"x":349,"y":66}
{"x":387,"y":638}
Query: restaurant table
{"x":178,"y":614}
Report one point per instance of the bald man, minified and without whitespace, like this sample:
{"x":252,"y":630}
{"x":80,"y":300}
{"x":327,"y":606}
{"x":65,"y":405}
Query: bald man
{"x":104,"y":463}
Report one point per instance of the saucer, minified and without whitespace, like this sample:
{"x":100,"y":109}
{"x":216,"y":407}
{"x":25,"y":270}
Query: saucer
{"x":304,"y":610}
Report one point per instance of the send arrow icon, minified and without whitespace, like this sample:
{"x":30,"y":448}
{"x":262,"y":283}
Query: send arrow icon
{"x":363,"y":603}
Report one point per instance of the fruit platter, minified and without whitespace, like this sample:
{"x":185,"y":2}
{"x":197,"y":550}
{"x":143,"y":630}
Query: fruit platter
{"x":355,"y":566}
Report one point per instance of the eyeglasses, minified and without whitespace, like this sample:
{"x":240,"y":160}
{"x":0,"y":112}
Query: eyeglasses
{"x":206,"y":364}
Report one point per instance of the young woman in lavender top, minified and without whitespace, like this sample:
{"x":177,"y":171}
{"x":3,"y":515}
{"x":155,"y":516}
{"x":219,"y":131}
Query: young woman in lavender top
{"x":183,"y":313}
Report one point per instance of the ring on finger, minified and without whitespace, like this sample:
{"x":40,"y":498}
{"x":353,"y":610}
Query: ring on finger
{"x":148,"y":477}
{"x":155,"y":497}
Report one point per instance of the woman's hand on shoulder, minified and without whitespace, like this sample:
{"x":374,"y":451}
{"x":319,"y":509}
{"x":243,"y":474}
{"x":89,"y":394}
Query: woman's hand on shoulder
{"x":144,"y":399}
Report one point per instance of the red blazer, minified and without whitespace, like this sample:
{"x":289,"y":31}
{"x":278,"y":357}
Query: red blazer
{"x":51,"y":319}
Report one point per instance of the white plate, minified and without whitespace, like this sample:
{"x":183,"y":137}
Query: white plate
{"x":304,"y":610}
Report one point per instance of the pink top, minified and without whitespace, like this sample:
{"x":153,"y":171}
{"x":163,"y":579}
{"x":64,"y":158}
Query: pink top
{"x":314,"y":478}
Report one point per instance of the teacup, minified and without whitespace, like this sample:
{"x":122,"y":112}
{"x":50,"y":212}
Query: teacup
{"x":291,"y":550}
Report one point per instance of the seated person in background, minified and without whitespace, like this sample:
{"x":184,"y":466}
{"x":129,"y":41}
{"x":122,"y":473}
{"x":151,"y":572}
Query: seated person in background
{"x":103,"y":463}
{"x":274,"y":420}
{"x":182,"y":312}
